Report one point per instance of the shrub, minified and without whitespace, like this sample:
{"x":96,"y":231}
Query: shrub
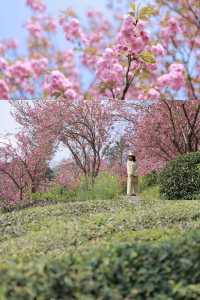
{"x":148,"y":180}
{"x":151,"y":193}
{"x":57,"y":193}
{"x":181,"y":177}
{"x":106,"y":186}
{"x":168,"y":270}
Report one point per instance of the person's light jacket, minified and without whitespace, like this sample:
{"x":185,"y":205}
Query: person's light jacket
{"x":132,"y":168}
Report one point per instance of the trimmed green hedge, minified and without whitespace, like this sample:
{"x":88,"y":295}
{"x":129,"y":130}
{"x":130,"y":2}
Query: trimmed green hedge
{"x":140,"y":271}
{"x":148,"y":180}
{"x":181,"y":178}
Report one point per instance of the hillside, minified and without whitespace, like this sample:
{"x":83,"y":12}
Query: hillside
{"x":65,"y":227}
{"x":75,"y":234}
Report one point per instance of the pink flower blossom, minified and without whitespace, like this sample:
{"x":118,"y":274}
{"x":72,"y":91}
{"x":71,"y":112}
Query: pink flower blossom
{"x":153,"y":94}
{"x":165,"y":34}
{"x":174,"y":79}
{"x":164,"y":80}
{"x":132,"y":38}
{"x":39,"y":66}
{"x":177,"y":80}
{"x":57,"y":83}
{"x":176,"y":68}
{"x":3,"y":64}
{"x":34,"y":28}
{"x":173,"y":26}
{"x":73,"y":30}
{"x":2,"y":49}
{"x":51,"y":24}
{"x":11,"y":44}
{"x":158,"y":49}
{"x":20,"y":71}
{"x":197,"y":42}
{"x":151,"y":67}
{"x":71,"y":94}
{"x":36,"y":5}
{"x":3,"y":90}
{"x":109,"y":69}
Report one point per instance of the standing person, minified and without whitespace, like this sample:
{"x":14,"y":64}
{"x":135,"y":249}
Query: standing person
{"x":132,"y":180}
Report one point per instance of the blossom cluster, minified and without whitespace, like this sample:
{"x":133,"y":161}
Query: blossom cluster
{"x":72,"y":29}
{"x":6,"y":45}
{"x":4,"y":90}
{"x":36,"y":5}
{"x":39,"y":66}
{"x":57,"y":84}
{"x":109,"y":68}
{"x":132,"y":37}
{"x":19,"y":71}
{"x":34,"y":28}
{"x":175,"y":79}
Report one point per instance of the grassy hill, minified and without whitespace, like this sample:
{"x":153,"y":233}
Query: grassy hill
{"x":87,"y":228}
{"x":61,"y":228}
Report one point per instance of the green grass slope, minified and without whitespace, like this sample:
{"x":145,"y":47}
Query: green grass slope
{"x":102,"y":250}
{"x":63,"y":228}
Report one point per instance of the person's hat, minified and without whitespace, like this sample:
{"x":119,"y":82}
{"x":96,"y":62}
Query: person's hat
{"x":130,"y":153}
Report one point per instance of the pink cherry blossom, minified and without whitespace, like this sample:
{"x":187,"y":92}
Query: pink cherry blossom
{"x":2,"y":49}
{"x":4,"y":90}
{"x":67,"y":59}
{"x":39,"y":66}
{"x":173,"y":26}
{"x":176,"y":68}
{"x":57,"y":83}
{"x":109,"y":68}
{"x":36,"y":5}
{"x":152,"y":67}
{"x":153,"y":94}
{"x":165,"y":35}
{"x":3,"y":64}
{"x":132,"y":38}
{"x":158,"y":49}
{"x":73,"y":29}
{"x":71,"y":94}
{"x":174,"y":79}
{"x":11,"y":44}
{"x":50,"y":24}
{"x":19,"y":71}
{"x":164,"y":80}
{"x":197,"y":42}
{"x":34,"y":28}
{"x":177,"y":80}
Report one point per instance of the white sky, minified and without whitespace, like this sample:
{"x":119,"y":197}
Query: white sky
{"x":7,"y":123}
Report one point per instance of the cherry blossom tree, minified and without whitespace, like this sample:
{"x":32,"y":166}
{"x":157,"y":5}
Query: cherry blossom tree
{"x":125,"y":59}
{"x":68,"y":174}
{"x":13,"y":176}
{"x":23,"y":166}
{"x":164,"y":130}
{"x":84,"y":127}
{"x":180,"y":36}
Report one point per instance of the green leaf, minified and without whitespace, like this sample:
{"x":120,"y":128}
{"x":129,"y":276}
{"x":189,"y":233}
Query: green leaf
{"x":148,"y":57}
{"x":133,"y":6}
{"x":45,"y":95}
{"x":145,"y":74}
{"x":146,"y":12}
{"x":91,"y":50}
